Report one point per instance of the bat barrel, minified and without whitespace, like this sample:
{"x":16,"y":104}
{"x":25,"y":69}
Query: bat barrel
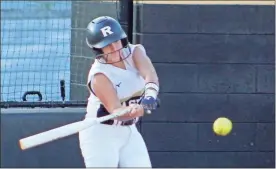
{"x":54,"y":134}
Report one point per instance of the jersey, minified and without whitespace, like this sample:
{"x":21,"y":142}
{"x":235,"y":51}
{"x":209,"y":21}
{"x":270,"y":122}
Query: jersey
{"x":128,"y":83}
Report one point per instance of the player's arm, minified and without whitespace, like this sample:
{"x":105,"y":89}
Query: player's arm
{"x":148,"y":72}
{"x":104,"y":90}
{"x":144,"y":65}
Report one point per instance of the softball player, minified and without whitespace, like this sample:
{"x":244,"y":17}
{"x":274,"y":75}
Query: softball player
{"x":122,"y":75}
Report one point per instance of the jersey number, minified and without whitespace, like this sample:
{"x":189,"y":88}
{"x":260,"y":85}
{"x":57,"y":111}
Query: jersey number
{"x":131,"y":101}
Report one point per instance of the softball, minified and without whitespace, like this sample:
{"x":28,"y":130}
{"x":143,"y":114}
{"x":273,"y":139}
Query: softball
{"x":222,"y":126}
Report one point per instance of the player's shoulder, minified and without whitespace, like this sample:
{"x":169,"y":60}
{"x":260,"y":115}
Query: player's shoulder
{"x":94,"y":68}
{"x":138,"y":48}
{"x":97,"y":68}
{"x":134,"y":46}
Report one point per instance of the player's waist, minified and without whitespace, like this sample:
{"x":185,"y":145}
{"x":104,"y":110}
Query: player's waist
{"x":121,"y":123}
{"x":94,"y":111}
{"x":115,"y":122}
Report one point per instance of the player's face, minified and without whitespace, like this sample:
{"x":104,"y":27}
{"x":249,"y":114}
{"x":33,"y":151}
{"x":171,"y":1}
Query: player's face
{"x":113,"y":52}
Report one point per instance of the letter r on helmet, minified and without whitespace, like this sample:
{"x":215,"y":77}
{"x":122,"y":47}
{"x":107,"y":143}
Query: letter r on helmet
{"x":106,"y":31}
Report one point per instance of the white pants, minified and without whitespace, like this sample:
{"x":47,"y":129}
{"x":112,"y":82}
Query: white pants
{"x":113,"y":146}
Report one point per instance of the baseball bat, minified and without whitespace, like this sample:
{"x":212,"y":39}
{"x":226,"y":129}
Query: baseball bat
{"x":66,"y":130}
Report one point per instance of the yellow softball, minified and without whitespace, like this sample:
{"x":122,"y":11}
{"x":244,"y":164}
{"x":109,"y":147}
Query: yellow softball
{"x":222,"y":126}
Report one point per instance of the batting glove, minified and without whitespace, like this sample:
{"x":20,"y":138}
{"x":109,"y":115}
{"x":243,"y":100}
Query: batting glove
{"x":149,"y":100}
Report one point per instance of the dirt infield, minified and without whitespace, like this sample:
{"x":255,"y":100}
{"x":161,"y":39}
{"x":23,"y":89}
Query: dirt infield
{"x":226,"y":2}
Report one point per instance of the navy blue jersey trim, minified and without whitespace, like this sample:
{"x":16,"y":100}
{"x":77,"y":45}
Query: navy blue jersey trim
{"x":89,"y":86}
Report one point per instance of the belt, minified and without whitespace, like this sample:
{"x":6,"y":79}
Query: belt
{"x":120,"y":123}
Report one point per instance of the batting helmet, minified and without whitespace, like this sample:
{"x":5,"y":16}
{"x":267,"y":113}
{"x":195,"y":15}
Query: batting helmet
{"x":103,"y":31}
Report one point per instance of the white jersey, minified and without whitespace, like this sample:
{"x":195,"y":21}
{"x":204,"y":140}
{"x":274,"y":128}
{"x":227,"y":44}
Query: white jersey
{"x":128,"y":83}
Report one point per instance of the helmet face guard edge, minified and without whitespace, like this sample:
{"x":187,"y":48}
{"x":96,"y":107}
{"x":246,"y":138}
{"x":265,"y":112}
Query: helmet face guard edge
{"x":124,"y":53}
